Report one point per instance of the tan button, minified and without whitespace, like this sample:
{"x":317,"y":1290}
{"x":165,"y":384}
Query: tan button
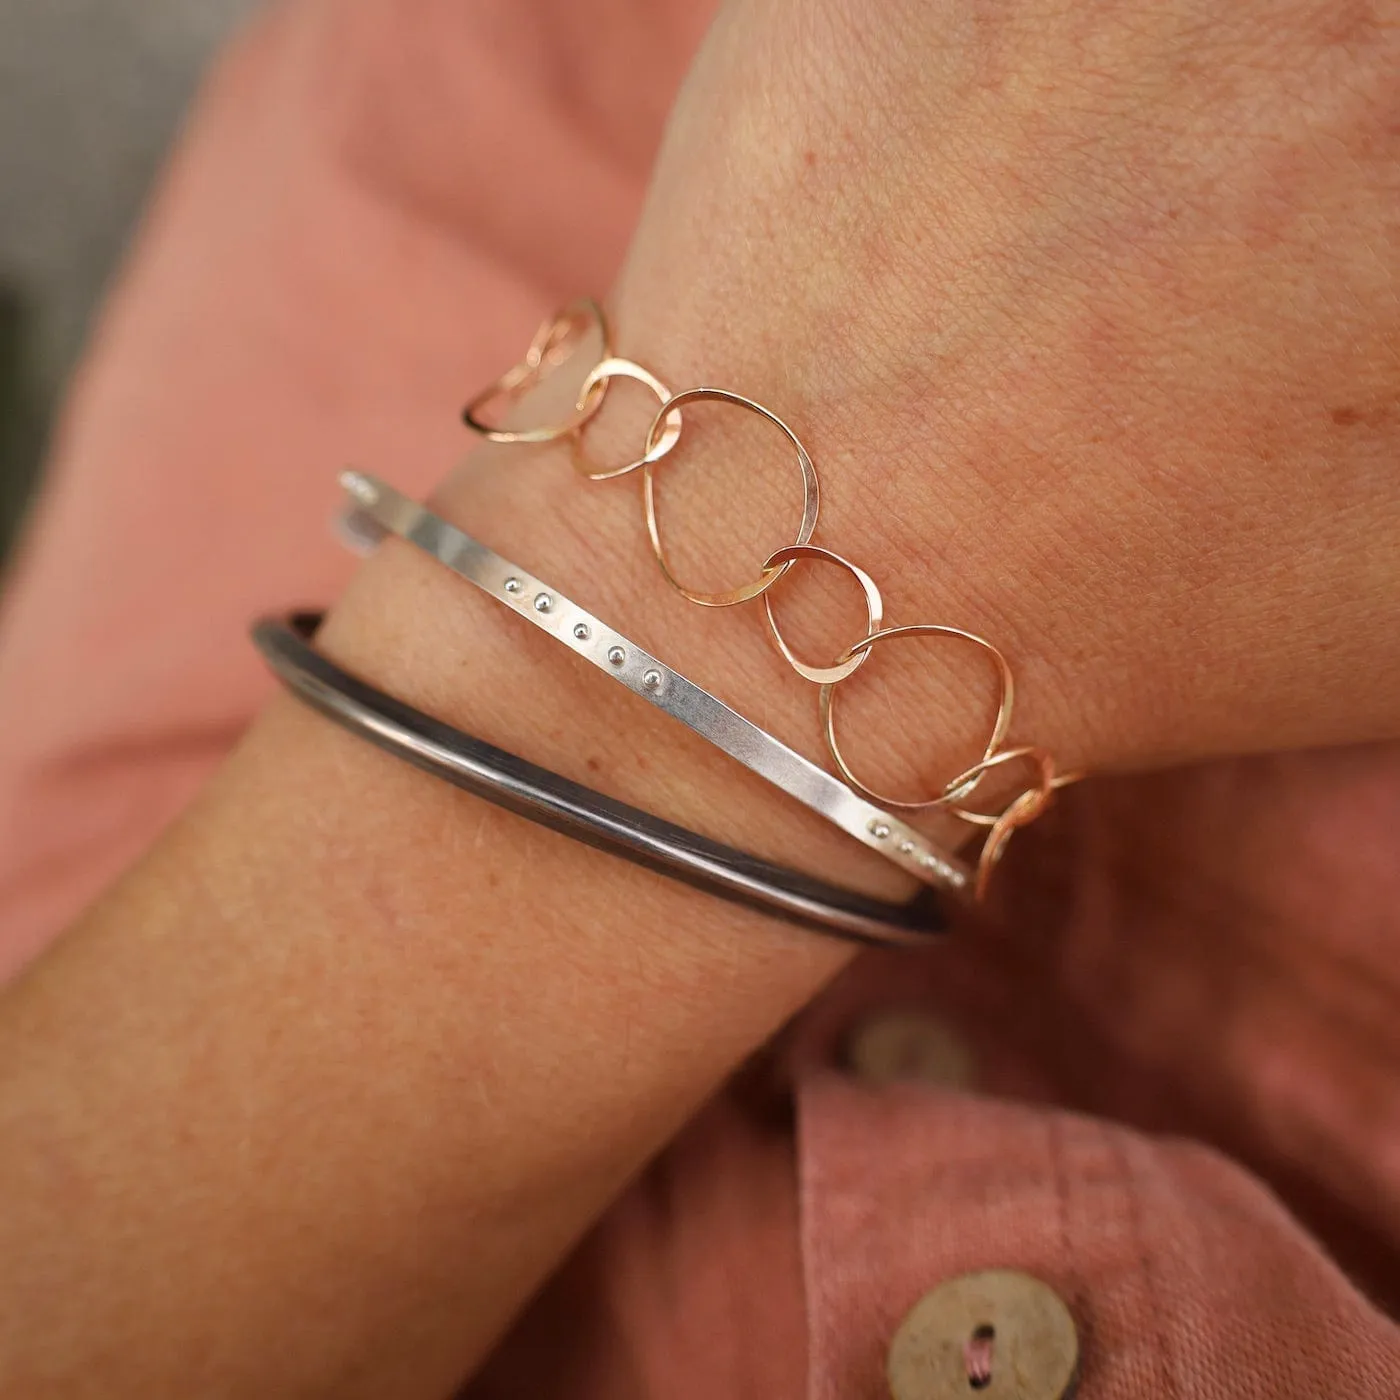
{"x":905,"y":1045}
{"x":1000,"y":1335}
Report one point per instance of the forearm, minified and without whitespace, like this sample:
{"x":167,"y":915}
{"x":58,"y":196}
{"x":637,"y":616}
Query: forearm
{"x":378,"y":1049}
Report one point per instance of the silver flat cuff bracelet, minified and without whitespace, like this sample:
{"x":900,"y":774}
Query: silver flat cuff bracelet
{"x":377,"y":509}
{"x":563,"y":805}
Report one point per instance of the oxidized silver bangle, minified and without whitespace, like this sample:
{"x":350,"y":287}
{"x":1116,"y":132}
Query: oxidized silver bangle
{"x":378,"y":509}
{"x":563,"y":805}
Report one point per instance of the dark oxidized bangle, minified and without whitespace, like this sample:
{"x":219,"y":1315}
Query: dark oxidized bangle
{"x":568,"y":807}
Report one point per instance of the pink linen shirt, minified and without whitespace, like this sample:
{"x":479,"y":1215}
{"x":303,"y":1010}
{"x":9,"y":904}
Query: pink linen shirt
{"x":1193,"y":1137}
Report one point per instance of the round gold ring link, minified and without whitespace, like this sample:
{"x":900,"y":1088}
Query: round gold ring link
{"x":596,"y":382}
{"x":1050,"y":782}
{"x":962,"y":786}
{"x":852,"y":659}
{"x":811,"y":496}
{"x":1019,"y":811}
{"x":553,"y":343}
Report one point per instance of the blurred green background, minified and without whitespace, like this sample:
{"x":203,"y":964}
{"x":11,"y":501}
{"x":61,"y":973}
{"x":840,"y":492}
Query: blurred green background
{"x":91,"y":93}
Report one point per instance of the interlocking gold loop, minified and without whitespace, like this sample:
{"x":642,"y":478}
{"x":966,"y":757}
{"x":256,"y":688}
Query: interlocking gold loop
{"x":959,"y":788}
{"x":811,"y":497}
{"x":874,"y":614}
{"x":553,"y":343}
{"x":1020,"y":811}
{"x":596,"y":382}
{"x":1049,"y":782}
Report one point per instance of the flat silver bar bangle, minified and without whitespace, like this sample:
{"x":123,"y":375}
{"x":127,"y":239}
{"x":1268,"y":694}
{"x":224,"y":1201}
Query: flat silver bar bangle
{"x":561,"y":804}
{"x":376,"y":509}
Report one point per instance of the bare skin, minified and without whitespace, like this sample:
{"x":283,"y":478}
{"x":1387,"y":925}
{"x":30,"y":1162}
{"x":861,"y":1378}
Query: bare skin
{"x":1091,"y":318}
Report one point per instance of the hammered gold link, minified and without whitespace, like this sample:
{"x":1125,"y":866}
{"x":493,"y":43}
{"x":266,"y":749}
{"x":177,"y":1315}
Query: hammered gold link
{"x":959,"y":788}
{"x":553,"y":343}
{"x":596,"y":382}
{"x":1020,"y":811}
{"x":811,"y":497}
{"x":874,"y":614}
{"x":1050,"y":782}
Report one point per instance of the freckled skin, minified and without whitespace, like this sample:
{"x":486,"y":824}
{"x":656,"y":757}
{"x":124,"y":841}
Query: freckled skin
{"x":1077,"y":309}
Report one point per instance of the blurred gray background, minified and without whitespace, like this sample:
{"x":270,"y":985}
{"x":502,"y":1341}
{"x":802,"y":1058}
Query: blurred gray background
{"x":91,"y":93}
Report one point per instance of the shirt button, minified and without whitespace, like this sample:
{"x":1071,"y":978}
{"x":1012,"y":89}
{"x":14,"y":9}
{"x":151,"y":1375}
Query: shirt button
{"x":909,"y":1045}
{"x":1001,"y":1334}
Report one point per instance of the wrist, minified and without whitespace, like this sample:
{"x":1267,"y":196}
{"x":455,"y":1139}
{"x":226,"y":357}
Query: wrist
{"x":474,"y":662}
{"x":575,"y":524}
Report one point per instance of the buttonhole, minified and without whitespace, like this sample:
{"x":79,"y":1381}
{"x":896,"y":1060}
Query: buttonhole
{"x":977,"y":1356}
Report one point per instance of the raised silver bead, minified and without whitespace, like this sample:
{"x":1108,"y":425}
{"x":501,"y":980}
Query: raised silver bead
{"x":616,"y":655}
{"x":543,"y":602}
{"x":581,"y":631}
{"x":879,"y":830}
{"x":652,"y":680}
{"x":512,"y":585}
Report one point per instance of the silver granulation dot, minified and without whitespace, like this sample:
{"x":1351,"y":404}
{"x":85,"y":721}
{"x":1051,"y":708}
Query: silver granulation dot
{"x":652,"y":680}
{"x":879,"y":830}
{"x":543,"y":602}
{"x":616,"y":655}
{"x":581,"y":631}
{"x":512,"y":585}
{"x":906,"y":848}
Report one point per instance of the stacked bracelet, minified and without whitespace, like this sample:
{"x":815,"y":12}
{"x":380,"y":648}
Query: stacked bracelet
{"x":377,"y":509}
